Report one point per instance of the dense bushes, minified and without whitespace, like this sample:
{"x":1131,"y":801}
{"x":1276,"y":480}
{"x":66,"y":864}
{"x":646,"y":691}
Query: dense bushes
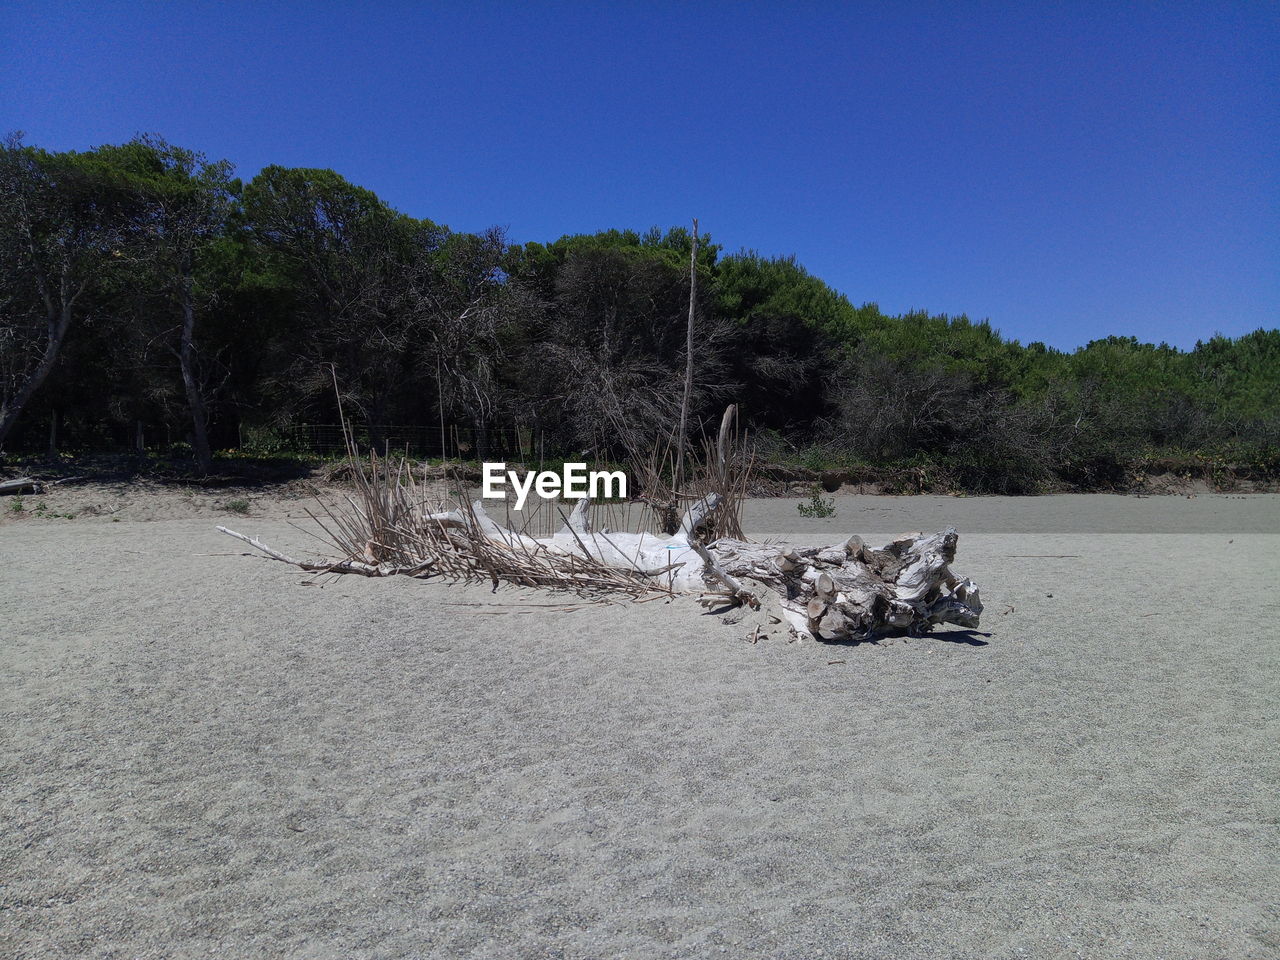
{"x":147,"y":297}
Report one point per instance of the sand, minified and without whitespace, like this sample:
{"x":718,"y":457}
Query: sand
{"x":199,"y":756}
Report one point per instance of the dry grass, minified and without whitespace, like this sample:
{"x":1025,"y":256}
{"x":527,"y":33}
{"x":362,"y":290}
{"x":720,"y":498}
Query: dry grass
{"x":393,"y":524}
{"x":723,"y":466}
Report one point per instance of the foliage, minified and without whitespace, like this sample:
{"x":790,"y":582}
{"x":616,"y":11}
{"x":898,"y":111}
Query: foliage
{"x":148,"y":299}
{"x":62,"y":226}
{"x":817,"y":507}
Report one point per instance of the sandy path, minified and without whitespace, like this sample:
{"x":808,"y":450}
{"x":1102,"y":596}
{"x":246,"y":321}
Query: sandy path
{"x":201,"y":757}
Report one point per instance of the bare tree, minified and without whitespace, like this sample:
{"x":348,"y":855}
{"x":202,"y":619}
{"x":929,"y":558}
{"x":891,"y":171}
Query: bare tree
{"x":465,"y":308}
{"x":613,"y":349}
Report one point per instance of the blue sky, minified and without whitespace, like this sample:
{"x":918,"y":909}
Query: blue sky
{"x":1067,"y":170}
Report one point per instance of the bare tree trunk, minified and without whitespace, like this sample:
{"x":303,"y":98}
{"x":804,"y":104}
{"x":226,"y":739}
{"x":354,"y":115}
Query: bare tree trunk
{"x":191,"y":384}
{"x":480,"y":437}
{"x":444,"y":440}
{"x":688,"y":361}
{"x":59,"y":321}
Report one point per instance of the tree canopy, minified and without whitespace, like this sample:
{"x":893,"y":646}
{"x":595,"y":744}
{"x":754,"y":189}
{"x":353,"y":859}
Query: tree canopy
{"x":147,"y":296}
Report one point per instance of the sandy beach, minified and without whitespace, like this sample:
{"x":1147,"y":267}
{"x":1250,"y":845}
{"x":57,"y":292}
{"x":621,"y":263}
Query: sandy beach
{"x":201,"y":756}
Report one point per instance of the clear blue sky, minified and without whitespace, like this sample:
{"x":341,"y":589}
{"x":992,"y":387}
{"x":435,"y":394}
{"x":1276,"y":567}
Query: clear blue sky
{"x":1068,"y":170}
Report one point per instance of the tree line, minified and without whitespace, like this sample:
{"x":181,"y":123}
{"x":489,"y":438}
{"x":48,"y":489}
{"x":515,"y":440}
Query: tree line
{"x":146,"y":292}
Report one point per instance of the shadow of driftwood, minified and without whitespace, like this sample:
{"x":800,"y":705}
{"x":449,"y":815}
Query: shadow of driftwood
{"x":970,"y":638}
{"x":730,"y":613}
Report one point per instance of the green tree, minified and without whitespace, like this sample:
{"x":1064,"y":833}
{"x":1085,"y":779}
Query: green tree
{"x":61,"y":232}
{"x":181,"y":206}
{"x":787,"y":326}
{"x":609,"y":355}
{"x":342,"y":253}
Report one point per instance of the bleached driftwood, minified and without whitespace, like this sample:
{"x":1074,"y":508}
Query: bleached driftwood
{"x":392,"y":526}
{"x":841,"y":592}
{"x":847,"y":591}
{"x":21,"y":485}
{"x":340,"y":566}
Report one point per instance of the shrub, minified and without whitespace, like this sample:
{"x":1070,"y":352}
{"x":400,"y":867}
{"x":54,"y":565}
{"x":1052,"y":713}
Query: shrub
{"x":817,"y":507}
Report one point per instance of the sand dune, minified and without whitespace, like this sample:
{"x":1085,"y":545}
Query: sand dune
{"x":200,"y":756}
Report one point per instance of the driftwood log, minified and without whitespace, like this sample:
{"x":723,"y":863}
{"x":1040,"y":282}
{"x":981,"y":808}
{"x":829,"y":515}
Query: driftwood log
{"x":846,"y":591}
{"x":21,"y":485}
{"x":32,"y":484}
